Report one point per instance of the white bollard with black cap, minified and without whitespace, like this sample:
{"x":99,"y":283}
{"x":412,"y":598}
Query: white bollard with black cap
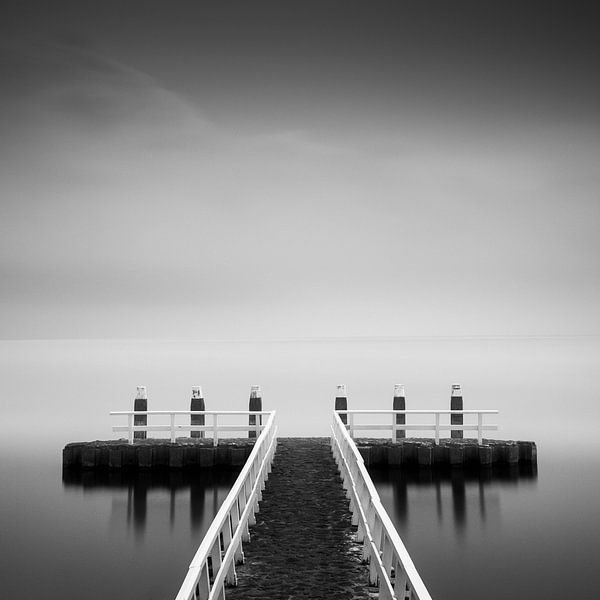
{"x":255,"y":404}
{"x":341,"y":401}
{"x":197,"y":403}
{"x":140,"y":404}
{"x":400,"y":404}
{"x":456,"y":403}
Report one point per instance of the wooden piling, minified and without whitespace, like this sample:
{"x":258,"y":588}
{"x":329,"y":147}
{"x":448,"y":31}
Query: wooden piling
{"x":410,"y":452}
{"x":512,"y":453}
{"x":115,"y":459}
{"x":197,"y":403}
{"x":400,"y":404}
{"x":144,"y":456}
{"x":255,"y":404}
{"x":175,"y":456}
{"x":395,"y":453}
{"x":140,"y":404}
{"x":341,"y":402}
{"x":456,"y":455}
{"x":441,"y":454}
{"x":485,"y":454}
{"x":527,"y":451}
{"x":425,"y":455}
{"x":456,"y":403}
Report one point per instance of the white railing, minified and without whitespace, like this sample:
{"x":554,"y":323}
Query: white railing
{"x":390,"y":567}
{"x":437,"y":426}
{"x":213,"y":565}
{"x":215,"y":427}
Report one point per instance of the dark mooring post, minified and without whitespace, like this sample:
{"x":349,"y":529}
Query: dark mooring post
{"x":140,"y":404}
{"x":255,"y":404}
{"x":400,"y":404}
{"x":341,"y":402}
{"x":456,"y":403}
{"x":197,"y":403}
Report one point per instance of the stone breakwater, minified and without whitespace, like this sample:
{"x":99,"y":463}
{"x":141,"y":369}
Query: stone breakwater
{"x":156,"y":453}
{"x":449,"y":452}
{"x":302,"y":545}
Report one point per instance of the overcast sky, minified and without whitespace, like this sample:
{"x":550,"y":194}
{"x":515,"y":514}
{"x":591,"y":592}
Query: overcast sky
{"x":296,"y":169}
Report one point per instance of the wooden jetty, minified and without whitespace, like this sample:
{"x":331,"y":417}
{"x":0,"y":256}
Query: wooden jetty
{"x":303,"y":518}
{"x":303,"y":532}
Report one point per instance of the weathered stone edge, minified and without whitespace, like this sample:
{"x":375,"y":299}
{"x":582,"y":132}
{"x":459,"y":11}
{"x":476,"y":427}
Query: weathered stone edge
{"x":452,"y":452}
{"x":148,"y":454}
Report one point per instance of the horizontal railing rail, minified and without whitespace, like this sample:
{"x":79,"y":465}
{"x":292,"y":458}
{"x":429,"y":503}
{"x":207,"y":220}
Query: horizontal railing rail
{"x":215,"y":427}
{"x":213,"y":566}
{"x":436,"y":427}
{"x":391,"y":568}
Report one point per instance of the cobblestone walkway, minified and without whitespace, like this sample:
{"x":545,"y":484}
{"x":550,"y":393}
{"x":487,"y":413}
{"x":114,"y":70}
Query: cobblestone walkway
{"x":301,"y":545}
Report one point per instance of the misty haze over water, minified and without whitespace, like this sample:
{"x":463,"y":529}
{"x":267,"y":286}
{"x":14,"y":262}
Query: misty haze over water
{"x":535,"y":529}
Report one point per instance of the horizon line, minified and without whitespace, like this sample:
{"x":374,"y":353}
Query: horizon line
{"x":368,"y":338}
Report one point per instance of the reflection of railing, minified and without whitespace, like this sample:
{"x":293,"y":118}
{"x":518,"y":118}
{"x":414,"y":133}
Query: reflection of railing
{"x":393,"y":426}
{"x":213,"y":566}
{"x":215,"y":427}
{"x":390,"y":566}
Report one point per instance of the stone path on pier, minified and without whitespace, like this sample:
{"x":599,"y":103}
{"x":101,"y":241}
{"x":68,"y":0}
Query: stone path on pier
{"x":302,"y":545}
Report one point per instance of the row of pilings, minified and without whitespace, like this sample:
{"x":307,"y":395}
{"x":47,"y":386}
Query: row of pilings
{"x":197,"y":403}
{"x":399,"y":403}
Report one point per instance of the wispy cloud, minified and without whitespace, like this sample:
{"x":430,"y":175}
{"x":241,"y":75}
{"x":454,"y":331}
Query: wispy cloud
{"x":120,"y":196}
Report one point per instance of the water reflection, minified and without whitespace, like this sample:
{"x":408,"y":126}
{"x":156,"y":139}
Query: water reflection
{"x":462,"y":494}
{"x":197,"y":492}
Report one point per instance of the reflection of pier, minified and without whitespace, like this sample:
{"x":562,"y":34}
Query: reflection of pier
{"x":140,"y":485}
{"x":469,"y":489}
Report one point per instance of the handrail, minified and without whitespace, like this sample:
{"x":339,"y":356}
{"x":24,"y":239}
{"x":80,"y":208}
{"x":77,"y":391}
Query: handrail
{"x":190,"y":412}
{"x":390,"y":567}
{"x":213,"y":565}
{"x":214,"y":427}
{"x":436,"y":427}
{"x":420,"y":412}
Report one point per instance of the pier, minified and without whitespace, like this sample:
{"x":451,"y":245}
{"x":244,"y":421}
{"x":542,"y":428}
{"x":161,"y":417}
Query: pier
{"x":303,"y":519}
{"x":302,"y":544}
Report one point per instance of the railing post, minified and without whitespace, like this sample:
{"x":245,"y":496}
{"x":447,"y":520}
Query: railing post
{"x":437,"y":427}
{"x":140,"y":404}
{"x":204,"y":583}
{"x":479,"y":428}
{"x":215,"y":555}
{"x":197,"y":403}
{"x":341,"y":402}
{"x":130,"y":426}
{"x":255,"y":404}
{"x":215,"y":430}
{"x":456,"y":403}
{"x":172,"y":428}
{"x":351,"y":425}
{"x":228,"y":531}
{"x":400,"y":404}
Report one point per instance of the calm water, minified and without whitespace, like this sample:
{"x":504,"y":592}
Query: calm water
{"x":100,"y":537}
{"x":527,"y":535}
{"x":502,"y":533}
